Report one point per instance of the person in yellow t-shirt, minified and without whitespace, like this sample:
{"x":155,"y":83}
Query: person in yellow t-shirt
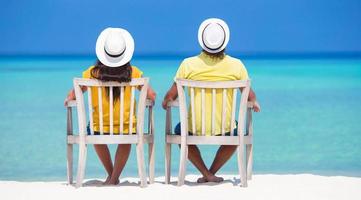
{"x":114,"y":50}
{"x":212,"y":64}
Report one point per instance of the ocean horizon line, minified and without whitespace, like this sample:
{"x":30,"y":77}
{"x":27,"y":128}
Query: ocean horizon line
{"x":167,"y":56}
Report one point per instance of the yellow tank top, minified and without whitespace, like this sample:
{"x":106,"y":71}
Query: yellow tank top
{"x":136,"y":73}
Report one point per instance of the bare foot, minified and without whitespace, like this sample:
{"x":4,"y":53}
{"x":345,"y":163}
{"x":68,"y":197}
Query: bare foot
{"x":114,"y":182}
{"x":214,"y":179}
{"x":202,"y":180}
{"x":106,"y":182}
{"x":210,"y":178}
{"x":109,"y":181}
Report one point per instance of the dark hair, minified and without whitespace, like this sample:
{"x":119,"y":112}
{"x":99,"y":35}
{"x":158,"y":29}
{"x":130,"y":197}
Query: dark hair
{"x":120,"y":74}
{"x":219,"y":55}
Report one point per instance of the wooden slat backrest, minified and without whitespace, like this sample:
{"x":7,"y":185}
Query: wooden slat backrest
{"x":193,"y":111}
{"x":223,"y":87}
{"x":224,"y":107}
{"x":100,"y":104}
{"x":139,"y":83}
{"x":111,"y":118}
{"x":203,"y":110}
{"x":234,"y":100}
{"x":121,"y":110}
{"x":131,"y":111}
{"x":213,"y":132}
{"x":90,"y":106}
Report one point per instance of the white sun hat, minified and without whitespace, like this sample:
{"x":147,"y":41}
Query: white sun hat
{"x":213,"y":35}
{"x":114,"y":47}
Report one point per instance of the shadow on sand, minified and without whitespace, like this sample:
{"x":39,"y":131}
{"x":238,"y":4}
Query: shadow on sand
{"x":233,"y":181}
{"x":99,"y":183}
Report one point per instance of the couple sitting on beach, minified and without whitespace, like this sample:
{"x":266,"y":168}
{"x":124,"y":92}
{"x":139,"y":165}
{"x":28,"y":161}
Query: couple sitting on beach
{"x":114,"y":50}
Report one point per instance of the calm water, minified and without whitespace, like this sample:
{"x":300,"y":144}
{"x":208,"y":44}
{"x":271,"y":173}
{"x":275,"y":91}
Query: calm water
{"x":310,"y":120}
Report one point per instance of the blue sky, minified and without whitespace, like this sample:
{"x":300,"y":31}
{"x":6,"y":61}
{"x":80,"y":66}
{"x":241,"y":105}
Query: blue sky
{"x":170,"y":27}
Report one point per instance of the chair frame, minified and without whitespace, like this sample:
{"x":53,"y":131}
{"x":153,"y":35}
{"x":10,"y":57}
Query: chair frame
{"x":184,"y":139}
{"x":82,"y":139}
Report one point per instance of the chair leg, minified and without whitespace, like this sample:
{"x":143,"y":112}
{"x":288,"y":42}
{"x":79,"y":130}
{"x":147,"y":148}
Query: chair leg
{"x":168,"y":150}
{"x":182,"y":164}
{"x":249,"y":153}
{"x":141,"y":166}
{"x":151,"y":152}
{"x":81,"y":164}
{"x":241,"y":166}
{"x":69,"y":163}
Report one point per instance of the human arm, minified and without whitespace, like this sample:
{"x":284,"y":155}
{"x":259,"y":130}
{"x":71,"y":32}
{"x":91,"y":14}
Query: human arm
{"x":252,"y":98}
{"x":151,"y":94}
{"x":171,"y":95}
{"x":71,"y":95}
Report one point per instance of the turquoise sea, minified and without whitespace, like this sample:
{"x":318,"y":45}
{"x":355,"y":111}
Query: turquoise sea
{"x":310,"y":120}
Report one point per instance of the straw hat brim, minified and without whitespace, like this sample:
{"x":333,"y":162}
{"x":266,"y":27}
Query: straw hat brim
{"x":114,"y":61}
{"x":204,"y":25}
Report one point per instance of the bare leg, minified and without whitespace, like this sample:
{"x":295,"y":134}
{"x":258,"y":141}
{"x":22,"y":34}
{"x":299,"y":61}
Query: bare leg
{"x":121,"y":157}
{"x":224,"y":153}
{"x":104,"y":156}
{"x":194,"y":155}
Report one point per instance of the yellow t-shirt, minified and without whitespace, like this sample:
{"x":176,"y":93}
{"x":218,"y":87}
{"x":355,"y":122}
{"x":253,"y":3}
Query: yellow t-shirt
{"x":205,"y":68}
{"x":136,"y":73}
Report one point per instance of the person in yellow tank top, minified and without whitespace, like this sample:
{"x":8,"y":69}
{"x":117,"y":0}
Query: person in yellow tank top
{"x":212,"y":64}
{"x":91,"y":72}
{"x":114,"y":50}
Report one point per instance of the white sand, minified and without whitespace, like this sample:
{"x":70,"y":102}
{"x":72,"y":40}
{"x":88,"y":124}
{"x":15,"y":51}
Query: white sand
{"x":265,"y":187}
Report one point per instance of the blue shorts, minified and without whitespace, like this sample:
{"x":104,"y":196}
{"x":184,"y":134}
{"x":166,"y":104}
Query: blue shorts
{"x":177,"y":130}
{"x":96,"y":132}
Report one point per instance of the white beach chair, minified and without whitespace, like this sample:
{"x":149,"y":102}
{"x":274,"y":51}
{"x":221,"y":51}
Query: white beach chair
{"x":185,"y":139}
{"x":83,"y":139}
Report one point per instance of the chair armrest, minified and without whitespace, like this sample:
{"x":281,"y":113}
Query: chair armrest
{"x":174,"y":103}
{"x":250,"y":105}
{"x":69,"y":117}
{"x":249,"y":122}
{"x":149,"y":103}
{"x":168,"y":120}
{"x":71,"y":104}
